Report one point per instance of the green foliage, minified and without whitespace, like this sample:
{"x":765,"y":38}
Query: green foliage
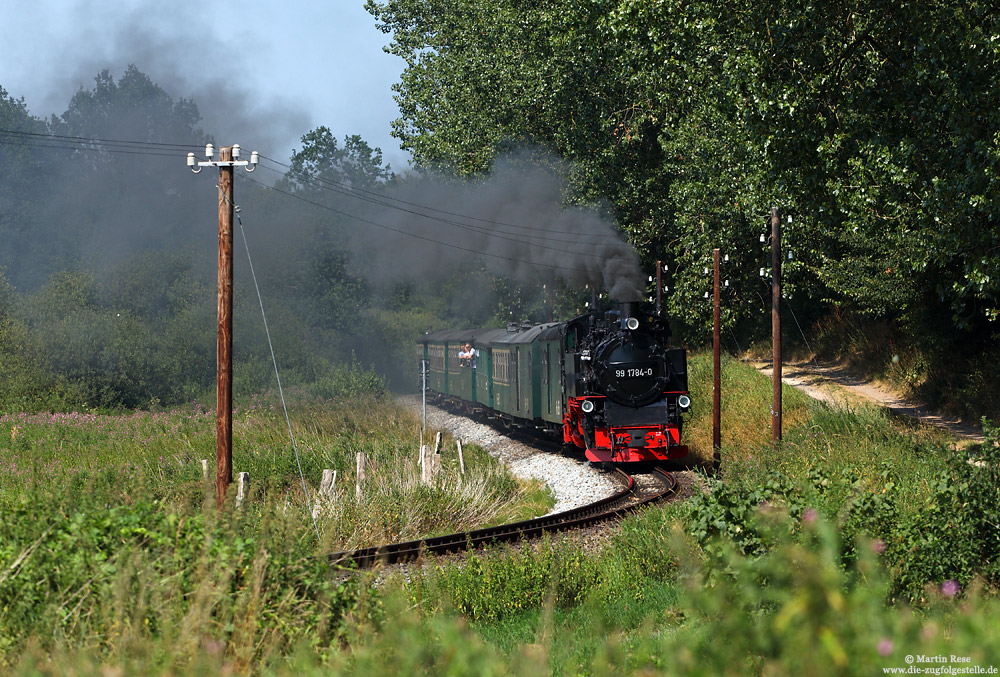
{"x":922,"y":357}
{"x":132,"y":108}
{"x":868,"y":124}
{"x":953,"y":535}
{"x":144,"y":333}
{"x":411,"y":644}
{"x":148,"y":573}
{"x":797,"y":610}
{"x":945,"y":532}
{"x":489,"y":588}
{"x":21,"y":173}
{"x":350,"y":381}
{"x":111,"y":546}
{"x":821,"y":543}
{"x":322,"y":164}
{"x":23,"y":383}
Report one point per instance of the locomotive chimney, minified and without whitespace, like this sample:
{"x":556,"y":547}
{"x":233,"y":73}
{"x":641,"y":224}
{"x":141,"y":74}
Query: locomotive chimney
{"x":629,"y":308}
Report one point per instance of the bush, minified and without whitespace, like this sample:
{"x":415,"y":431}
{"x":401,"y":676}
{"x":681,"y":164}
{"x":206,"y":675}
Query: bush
{"x":349,"y":380}
{"x":948,"y":535}
{"x":954,"y":535}
{"x":796,"y":610}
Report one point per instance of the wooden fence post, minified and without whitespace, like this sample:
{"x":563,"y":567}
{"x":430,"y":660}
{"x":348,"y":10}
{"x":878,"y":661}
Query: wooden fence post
{"x":433,"y":462}
{"x":360,"y":474}
{"x":204,"y":468}
{"x":242,"y":488}
{"x":461,"y":457}
{"x":326,"y":485}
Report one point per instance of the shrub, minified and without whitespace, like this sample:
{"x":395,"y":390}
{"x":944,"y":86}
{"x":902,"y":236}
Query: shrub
{"x":950,"y":533}
{"x":796,"y":610}
{"x":955,"y":534}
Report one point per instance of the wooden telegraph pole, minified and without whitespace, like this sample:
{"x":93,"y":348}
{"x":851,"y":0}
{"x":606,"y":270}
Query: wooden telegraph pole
{"x":659,"y":288}
{"x":776,"y":326}
{"x":224,"y":343}
{"x":716,"y":368}
{"x":229,"y":158}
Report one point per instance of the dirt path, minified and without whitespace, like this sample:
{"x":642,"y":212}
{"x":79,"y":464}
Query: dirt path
{"x":836,"y":385}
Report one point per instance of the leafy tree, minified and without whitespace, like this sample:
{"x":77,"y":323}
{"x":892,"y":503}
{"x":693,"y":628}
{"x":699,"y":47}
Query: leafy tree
{"x":483,"y":77}
{"x":322,"y":164}
{"x":134,"y":108}
{"x":872,"y":124}
{"x":23,"y":176}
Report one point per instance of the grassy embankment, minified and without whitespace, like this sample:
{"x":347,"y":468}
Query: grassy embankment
{"x":859,"y":541}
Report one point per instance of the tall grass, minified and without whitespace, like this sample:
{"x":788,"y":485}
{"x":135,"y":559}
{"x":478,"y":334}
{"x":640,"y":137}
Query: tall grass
{"x":745,"y":411}
{"x":110,"y":543}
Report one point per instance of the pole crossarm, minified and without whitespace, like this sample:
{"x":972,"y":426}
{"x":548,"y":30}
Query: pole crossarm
{"x":230,"y":159}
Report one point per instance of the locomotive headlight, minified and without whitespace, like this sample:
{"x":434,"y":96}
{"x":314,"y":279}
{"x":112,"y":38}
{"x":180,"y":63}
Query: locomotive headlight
{"x":683,"y":401}
{"x":632,"y":324}
{"x":587,"y":406}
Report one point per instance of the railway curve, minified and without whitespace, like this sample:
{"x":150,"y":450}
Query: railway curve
{"x":627,"y":500}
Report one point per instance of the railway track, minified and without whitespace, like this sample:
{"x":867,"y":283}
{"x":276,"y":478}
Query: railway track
{"x":629,"y":499}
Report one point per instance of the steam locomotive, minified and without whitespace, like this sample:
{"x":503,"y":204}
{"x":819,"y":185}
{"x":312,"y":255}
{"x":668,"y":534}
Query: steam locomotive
{"x":608,"y":382}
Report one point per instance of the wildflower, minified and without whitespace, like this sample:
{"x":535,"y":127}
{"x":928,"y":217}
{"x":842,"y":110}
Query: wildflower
{"x":878,"y":546}
{"x":950,"y":588}
{"x":810,"y":515}
{"x":885,"y":646}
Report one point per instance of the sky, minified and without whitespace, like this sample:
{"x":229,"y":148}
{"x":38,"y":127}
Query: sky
{"x":262,"y":72}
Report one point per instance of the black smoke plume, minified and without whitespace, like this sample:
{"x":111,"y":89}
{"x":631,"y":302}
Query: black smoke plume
{"x":515,"y":221}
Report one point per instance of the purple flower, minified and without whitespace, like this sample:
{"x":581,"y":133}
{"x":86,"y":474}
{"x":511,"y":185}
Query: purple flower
{"x":810,"y":515}
{"x":878,"y":546}
{"x":885,"y":646}
{"x":950,"y":588}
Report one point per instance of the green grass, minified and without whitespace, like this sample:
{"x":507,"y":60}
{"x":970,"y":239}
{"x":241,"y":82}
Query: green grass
{"x":110,"y":543}
{"x":839,"y":551}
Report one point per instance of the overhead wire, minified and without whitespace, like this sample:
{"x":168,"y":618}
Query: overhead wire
{"x":88,"y":149}
{"x":105,"y":142}
{"x":490,"y":233}
{"x":355,"y":189}
{"x":407,"y":233}
{"x":78,"y":143}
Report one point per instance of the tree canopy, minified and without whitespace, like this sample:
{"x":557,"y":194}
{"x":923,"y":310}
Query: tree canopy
{"x":872,"y":124}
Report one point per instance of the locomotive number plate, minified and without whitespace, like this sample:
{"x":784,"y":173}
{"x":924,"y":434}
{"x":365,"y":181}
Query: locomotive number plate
{"x":634,"y":373}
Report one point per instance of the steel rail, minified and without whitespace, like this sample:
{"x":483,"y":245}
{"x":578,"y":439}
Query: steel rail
{"x":614,"y":506}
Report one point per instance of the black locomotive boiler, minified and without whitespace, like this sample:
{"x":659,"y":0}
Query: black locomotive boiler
{"x":608,"y":382}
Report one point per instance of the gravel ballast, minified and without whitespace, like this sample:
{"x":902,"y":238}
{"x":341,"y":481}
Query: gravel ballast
{"x":573,"y":482}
